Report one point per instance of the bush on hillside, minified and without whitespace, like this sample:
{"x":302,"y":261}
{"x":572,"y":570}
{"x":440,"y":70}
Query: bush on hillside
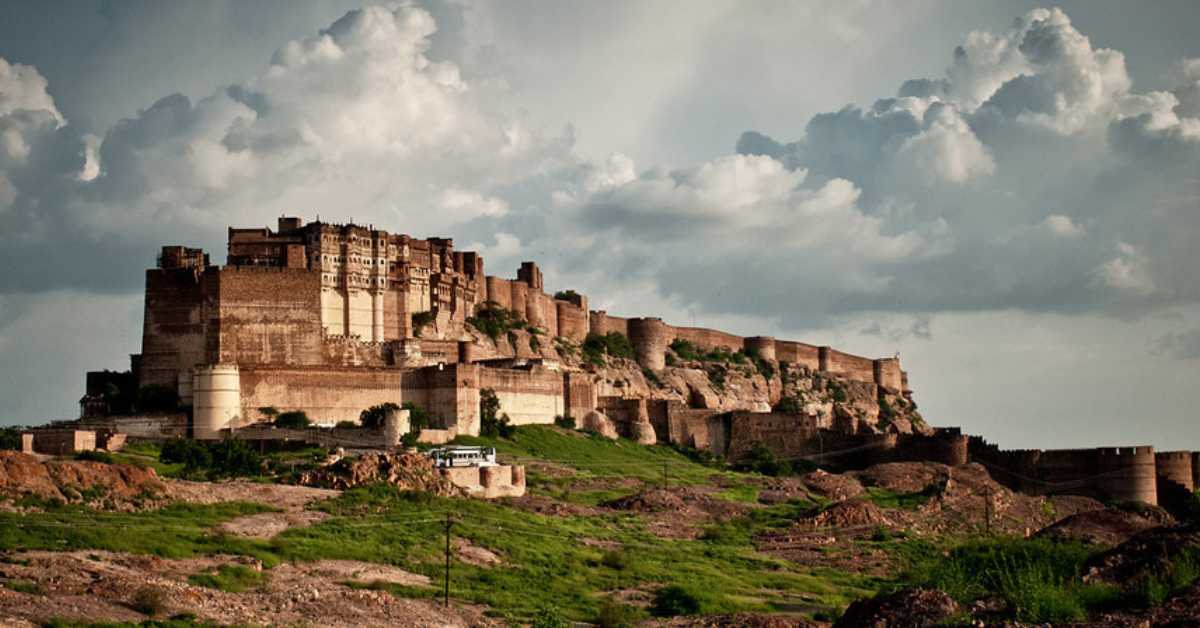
{"x":491,"y":423}
{"x":374,"y":417}
{"x":294,"y":419}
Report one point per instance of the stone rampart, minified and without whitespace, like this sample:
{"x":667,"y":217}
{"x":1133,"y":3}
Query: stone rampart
{"x":650,"y":338}
{"x":1175,"y":466}
{"x":265,"y":316}
{"x":326,"y":395}
{"x":851,"y":366}
{"x":798,"y":353}
{"x":572,"y":321}
{"x":1107,"y":473}
{"x":710,"y":338}
{"x":173,"y":331}
{"x":602,"y":323}
{"x":762,"y":347}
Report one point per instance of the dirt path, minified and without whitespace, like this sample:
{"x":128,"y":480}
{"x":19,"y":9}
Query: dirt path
{"x":100,"y":586}
{"x":292,"y":500}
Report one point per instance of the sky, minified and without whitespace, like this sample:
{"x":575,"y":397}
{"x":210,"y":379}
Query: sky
{"x":1005,"y":194}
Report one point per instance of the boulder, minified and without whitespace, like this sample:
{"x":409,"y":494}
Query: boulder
{"x":597,"y":422}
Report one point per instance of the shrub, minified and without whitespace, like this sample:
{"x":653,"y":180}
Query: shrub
{"x":345,"y":425}
{"x":494,"y":320}
{"x":566,"y":295}
{"x":614,"y":343}
{"x":838,"y":393}
{"x":231,"y":579}
{"x":790,"y":405}
{"x":550,"y":617}
{"x":149,"y":600}
{"x":675,"y":600}
{"x":294,"y":419}
{"x":762,"y":460}
{"x":190,"y":453}
{"x":228,"y":458}
{"x":156,"y":398}
{"x":231,"y":458}
{"x":615,"y":559}
{"x":96,"y":456}
{"x":565,"y":421}
{"x":651,"y":377}
{"x":490,"y":423}
{"x":421,"y":320}
{"x":614,"y":614}
{"x":418,"y":417}
{"x":10,"y":438}
{"x":374,"y":416}
{"x":269,"y":411}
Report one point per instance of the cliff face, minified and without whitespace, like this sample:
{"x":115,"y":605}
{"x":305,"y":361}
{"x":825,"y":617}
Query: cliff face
{"x":726,"y":382}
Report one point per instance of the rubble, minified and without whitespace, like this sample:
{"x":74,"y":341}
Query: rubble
{"x":907,"y":608}
{"x":410,"y":472}
{"x":94,"y":484}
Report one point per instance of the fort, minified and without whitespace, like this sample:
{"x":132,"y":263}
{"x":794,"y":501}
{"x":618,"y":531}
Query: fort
{"x":332,"y":319}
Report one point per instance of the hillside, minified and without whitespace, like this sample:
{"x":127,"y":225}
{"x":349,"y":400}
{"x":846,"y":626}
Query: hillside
{"x":611,"y":532}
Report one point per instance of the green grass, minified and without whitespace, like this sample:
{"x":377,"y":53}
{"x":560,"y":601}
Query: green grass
{"x":545,"y":562}
{"x":885,"y":498}
{"x":23,"y":586}
{"x":232,"y":579}
{"x":1041,"y":579}
{"x":596,"y":456}
{"x":176,"y":531}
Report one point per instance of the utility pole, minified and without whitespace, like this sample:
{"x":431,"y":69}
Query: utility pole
{"x":446,"y":590}
{"x":987,"y":509}
{"x":664,"y":475}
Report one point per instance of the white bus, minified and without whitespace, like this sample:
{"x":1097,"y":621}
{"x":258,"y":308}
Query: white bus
{"x":460,"y":456}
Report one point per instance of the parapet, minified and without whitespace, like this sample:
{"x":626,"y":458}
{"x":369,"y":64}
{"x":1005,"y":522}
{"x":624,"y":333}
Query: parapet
{"x":650,"y":338}
{"x":761,"y":346}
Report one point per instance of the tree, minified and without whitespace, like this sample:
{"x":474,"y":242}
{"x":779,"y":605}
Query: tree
{"x":490,"y":424}
{"x":373,"y":417}
{"x":295,"y":419}
{"x":269,"y":411}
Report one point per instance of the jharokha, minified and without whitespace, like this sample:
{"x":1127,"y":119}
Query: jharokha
{"x":331,"y":319}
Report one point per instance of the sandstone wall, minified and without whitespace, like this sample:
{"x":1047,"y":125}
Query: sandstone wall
{"x":1175,"y":466}
{"x":711,"y":338}
{"x":798,"y":353}
{"x":1110,"y":473}
{"x":888,"y":373}
{"x":601,"y":323}
{"x":327,"y":395}
{"x":579,"y":394}
{"x":527,"y":396}
{"x":851,"y":366}
{"x":262,"y":316}
{"x":572,"y":321}
{"x":173,"y":325}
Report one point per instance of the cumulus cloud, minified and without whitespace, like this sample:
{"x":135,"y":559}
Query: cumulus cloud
{"x":1030,"y":117}
{"x":354,"y":121}
{"x":1181,"y":345}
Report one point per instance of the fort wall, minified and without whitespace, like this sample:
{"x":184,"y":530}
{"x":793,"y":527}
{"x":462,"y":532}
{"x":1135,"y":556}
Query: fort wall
{"x":326,"y":395}
{"x":533,"y":396}
{"x":851,"y":366}
{"x":798,"y":353}
{"x":1107,"y":473}
{"x":1175,"y":466}
{"x":761,"y":346}
{"x":173,"y":328}
{"x":602,"y":323}
{"x":710,"y":338}
{"x":572,"y":321}
{"x":650,"y":338}
{"x":266,"y":316}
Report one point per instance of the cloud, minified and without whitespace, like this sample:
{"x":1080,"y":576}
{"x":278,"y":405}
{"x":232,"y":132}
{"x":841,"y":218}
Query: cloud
{"x":1061,"y":226}
{"x":354,"y":121}
{"x":1183,"y":345}
{"x":1127,"y":271}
